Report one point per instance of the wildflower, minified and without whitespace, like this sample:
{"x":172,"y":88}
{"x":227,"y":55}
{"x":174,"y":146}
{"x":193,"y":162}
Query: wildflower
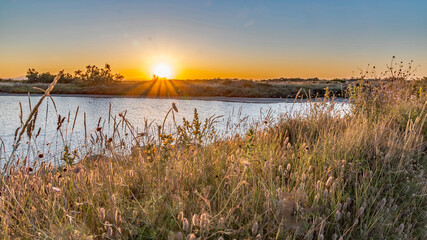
{"x":255,"y":228}
{"x":325,"y":193}
{"x":347,"y":203}
{"x":361,"y":209}
{"x":382,"y":203}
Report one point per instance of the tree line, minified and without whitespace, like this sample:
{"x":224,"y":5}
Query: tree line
{"x":91,"y":75}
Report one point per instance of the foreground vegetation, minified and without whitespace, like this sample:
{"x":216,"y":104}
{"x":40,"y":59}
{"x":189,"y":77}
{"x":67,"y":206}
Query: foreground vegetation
{"x":316,"y":175}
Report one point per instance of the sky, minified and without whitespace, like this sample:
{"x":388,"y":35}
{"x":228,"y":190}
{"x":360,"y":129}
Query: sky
{"x":202,"y":39}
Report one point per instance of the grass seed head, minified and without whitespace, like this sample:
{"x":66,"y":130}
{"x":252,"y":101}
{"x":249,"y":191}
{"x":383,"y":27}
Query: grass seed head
{"x":179,"y":236}
{"x":185,"y":225}
{"x":400,"y":229}
{"x":361,"y":209}
{"x":191,"y":236}
{"x":195,"y":220}
{"x":338,"y":216}
{"x":101,"y":213}
{"x":329,"y":181}
{"x":255,"y":228}
{"x":204,"y":221}
{"x":334,"y":236}
{"x":174,"y":107}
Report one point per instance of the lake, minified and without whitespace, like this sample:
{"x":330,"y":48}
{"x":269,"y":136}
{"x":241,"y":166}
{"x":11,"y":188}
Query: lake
{"x":235,"y":115}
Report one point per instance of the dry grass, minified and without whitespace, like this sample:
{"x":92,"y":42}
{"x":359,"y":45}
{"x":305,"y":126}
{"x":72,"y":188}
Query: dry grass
{"x":315,"y":176}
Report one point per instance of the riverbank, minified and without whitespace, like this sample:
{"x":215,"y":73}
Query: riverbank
{"x":191,"y":88}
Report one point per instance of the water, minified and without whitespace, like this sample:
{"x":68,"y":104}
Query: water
{"x":234,"y":116}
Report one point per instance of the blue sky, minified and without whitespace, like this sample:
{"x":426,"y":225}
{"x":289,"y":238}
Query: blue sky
{"x":204,"y":39}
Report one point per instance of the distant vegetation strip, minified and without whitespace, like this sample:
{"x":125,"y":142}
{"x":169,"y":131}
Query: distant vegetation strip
{"x":187,"y":88}
{"x":102,"y":81}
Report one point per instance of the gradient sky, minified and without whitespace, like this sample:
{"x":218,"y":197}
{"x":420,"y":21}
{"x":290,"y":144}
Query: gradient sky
{"x":207,"y":39}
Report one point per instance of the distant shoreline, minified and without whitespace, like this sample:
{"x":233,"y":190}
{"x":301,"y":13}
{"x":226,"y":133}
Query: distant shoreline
{"x":222,"y":99}
{"x":216,"y":90}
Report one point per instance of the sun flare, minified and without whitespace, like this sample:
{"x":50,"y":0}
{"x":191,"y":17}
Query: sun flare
{"x":163,"y":70}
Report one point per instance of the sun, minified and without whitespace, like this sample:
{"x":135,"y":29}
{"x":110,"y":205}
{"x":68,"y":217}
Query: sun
{"x":162,"y":70}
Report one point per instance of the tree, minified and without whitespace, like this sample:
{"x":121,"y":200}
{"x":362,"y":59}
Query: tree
{"x":32,"y":75}
{"x":91,"y":75}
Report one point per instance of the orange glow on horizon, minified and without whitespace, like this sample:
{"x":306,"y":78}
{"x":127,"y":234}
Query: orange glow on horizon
{"x":187,"y":65}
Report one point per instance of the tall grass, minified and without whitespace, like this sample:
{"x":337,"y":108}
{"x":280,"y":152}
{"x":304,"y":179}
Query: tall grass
{"x":317,"y":175}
